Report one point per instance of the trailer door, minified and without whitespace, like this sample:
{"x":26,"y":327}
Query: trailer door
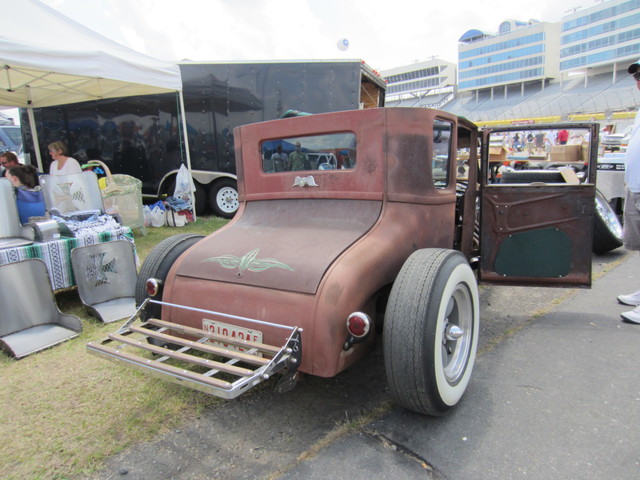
{"x":537,"y":204}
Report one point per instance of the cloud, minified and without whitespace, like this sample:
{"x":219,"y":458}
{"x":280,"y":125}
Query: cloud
{"x":385,"y":34}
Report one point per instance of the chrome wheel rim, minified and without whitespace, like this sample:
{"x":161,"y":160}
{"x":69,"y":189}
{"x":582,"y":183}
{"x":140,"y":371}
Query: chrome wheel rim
{"x":457,"y":334}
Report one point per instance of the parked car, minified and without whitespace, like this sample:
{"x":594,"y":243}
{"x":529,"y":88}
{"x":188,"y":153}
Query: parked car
{"x":316,"y":265}
{"x":610,"y":182}
{"x":11,"y":139}
{"x":616,"y":141}
{"x":610,"y":186}
{"x":323,"y":161}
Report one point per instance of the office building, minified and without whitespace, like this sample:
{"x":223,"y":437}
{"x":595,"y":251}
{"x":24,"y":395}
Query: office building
{"x":520,"y":54}
{"x":604,"y":38}
{"x":429,"y":83}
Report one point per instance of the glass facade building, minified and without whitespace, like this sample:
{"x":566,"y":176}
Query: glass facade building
{"x":591,"y":45}
{"x":601,"y":36}
{"x":522,"y":52}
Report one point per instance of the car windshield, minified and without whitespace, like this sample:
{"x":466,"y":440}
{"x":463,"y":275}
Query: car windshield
{"x":335,"y":151}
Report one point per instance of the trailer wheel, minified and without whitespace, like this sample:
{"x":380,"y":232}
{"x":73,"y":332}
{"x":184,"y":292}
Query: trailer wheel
{"x":607,"y":229}
{"x":223,"y":198}
{"x":158,"y":263}
{"x":431,"y":331}
{"x":200,"y":197}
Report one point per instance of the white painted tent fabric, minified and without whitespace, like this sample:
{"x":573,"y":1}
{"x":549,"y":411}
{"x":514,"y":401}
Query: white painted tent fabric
{"x":49,"y":59}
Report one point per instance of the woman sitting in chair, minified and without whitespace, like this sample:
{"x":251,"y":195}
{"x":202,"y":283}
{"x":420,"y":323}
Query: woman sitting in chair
{"x":29,"y":196}
{"x":62,"y":163}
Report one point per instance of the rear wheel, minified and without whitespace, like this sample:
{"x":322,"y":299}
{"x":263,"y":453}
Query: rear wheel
{"x":223,"y":198}
{"x":607,"y":229}
{"x":431,"y":331}
{"x":158,"y":263}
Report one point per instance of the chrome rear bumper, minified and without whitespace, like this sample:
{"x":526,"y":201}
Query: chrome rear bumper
{"x":216,"y":364}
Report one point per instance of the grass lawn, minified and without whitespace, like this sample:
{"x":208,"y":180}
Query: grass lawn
{"x":64,"y":411}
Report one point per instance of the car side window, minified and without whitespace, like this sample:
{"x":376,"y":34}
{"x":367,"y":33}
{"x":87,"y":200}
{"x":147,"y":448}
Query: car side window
{"x":335,"y":151}
{"x":545,"y":155}
{"x":441,"y":157}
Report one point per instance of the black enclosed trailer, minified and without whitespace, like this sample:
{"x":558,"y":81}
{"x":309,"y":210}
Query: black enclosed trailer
{"x":142,"y":136}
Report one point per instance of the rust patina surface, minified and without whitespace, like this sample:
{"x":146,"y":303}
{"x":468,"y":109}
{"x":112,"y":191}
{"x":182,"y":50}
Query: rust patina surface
{"x":331,"y":208}
{"x":332,"y":246}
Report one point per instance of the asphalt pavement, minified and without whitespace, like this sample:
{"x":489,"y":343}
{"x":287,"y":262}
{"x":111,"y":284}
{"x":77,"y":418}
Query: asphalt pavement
{"x":558,"y":399}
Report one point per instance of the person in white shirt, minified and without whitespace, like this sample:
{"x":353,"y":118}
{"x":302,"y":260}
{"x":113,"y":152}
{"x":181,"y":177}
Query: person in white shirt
{"x":280,"y":160}
{"x":62,"y":163}
{"x":549,"y":140}
{"x":631,"y":229}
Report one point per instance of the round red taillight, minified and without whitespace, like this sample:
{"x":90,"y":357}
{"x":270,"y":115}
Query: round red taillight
{"x":152,"y":286}
{"x":358,"y":324}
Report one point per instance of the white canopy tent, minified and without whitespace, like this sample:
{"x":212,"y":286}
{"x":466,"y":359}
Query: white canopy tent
{"x":48,"y":59}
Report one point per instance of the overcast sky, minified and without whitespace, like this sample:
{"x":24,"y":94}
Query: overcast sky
{"x":385,"y":34}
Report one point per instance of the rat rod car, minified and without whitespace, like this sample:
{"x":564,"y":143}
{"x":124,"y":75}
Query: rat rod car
{"x":392,"y":241}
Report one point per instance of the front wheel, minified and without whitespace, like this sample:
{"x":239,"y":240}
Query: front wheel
{"x":223,"y":198}
{"x":607,"y":230}
{"x":431,"y":331}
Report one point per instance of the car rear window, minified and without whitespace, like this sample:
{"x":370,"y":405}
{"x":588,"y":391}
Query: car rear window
{"x":334,"y":151}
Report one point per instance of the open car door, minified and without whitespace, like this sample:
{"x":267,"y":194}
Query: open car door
{"x":537,"y":187}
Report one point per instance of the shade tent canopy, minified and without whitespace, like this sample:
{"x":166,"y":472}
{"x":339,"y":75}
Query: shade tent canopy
{"x":49,"y":59}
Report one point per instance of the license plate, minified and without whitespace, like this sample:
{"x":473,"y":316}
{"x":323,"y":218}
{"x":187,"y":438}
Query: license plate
{"x":233,"y":331}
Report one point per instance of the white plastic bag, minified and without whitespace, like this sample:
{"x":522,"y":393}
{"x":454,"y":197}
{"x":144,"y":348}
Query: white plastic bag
{"x":147,"y":215}
{"x":157,"y":217}
{"x":184,"y":186}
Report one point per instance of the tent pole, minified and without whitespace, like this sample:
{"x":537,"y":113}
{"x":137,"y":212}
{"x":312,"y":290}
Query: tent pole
{"x":34,"y":135}
{"x":184,"y":129}
{"x":186,"y":147}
